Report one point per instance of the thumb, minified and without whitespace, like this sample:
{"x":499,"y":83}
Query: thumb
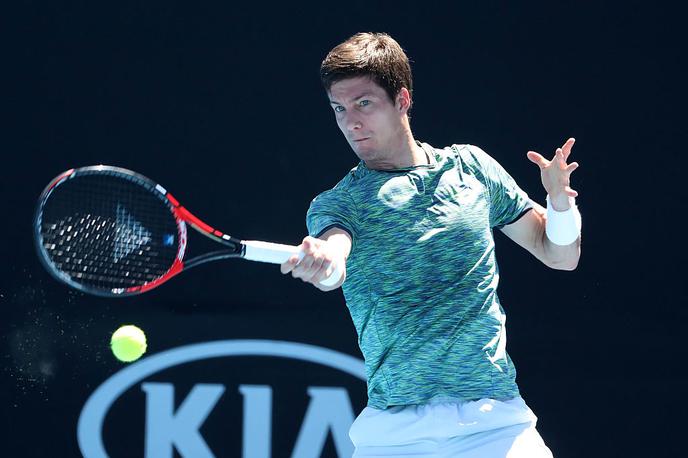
{"x":537,"y":159}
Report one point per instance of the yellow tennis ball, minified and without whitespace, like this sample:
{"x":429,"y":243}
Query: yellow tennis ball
{"x":128,"y":343}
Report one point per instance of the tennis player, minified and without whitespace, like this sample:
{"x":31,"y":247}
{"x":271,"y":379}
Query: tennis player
{"x":412,"y":228}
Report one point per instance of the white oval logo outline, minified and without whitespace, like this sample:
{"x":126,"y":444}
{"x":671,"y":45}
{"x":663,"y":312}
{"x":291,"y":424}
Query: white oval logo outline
{"x":92,"y":417}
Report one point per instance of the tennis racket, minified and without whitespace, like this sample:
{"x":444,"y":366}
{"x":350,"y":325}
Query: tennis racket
{"x":112,"y":232}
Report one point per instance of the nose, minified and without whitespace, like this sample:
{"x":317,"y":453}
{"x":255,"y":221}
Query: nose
{"x":353,"y":124}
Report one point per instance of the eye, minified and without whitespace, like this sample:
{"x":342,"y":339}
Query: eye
{"x":364,"y":103}
{"x":338,"y":108}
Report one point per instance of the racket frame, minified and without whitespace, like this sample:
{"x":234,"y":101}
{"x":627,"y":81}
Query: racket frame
{"x":182,"y":216}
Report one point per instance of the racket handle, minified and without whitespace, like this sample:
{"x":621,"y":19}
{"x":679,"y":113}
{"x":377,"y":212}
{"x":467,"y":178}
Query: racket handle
{"x":274,"y":253}
{"x":277,"y":253}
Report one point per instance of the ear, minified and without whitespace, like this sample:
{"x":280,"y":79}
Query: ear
{"x":403,"y":100}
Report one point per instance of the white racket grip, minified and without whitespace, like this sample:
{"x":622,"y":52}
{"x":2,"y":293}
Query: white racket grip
{"x":277,"y":253}
{"x":274,"y":253}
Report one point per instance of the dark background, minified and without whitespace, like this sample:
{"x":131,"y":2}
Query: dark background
{"x":221,"y":103}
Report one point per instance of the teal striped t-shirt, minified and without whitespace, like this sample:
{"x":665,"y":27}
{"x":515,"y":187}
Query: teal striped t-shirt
{"x":422,"y":276}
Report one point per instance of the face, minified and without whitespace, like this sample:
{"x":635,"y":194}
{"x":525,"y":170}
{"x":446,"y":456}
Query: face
{"x":373,"y":124}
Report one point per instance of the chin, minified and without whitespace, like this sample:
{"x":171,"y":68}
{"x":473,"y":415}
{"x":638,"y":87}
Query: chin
{"x":365,"y":155}
{"x":363,"y":151}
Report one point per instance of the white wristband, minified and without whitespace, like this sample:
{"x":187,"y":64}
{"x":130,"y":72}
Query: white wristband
{"x":563,"y":228}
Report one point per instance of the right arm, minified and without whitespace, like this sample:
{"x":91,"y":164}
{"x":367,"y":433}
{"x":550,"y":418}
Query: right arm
{"x":321,"y":257}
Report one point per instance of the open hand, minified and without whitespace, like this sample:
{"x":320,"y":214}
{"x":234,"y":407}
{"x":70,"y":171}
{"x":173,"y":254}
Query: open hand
{"x":556,"y":175}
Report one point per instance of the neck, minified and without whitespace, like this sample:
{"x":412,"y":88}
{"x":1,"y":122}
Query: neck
{"x":407,"y":153}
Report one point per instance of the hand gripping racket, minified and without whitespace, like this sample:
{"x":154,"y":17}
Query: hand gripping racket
{"x":112,"y":232}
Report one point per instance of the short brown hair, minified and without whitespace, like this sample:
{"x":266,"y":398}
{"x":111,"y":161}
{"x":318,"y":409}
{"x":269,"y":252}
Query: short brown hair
{"x":376,"y":55}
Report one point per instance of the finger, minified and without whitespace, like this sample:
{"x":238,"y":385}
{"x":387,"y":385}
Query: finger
{"x":567,"y":147}
{"x":324,"y":272}
{"x":559,"y":158}
{"x":570,"y":192}
{"x":305,"y":264}
{"x":571,"y":167}
{"x":310,"y":274}
{"x":288,"y":266}
{"x":537,"y":159}
{"x":328,"y":271}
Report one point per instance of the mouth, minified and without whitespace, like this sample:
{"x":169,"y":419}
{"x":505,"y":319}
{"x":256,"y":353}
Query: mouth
{"x":360,"y":140}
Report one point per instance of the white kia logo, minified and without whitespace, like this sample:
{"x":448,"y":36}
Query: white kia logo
{"x":329,"y":409}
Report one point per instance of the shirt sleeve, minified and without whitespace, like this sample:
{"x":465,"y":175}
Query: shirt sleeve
{"x":508,"y":202}
{"x":333,"y":208}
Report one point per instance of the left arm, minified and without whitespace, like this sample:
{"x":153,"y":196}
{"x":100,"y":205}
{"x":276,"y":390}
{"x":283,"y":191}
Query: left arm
{"x":530,"y":230}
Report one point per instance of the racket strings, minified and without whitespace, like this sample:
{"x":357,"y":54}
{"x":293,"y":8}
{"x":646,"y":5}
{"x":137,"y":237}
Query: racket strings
{"x":108,"y":232}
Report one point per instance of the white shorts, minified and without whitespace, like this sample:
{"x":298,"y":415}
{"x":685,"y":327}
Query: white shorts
{"x":475,"y":429}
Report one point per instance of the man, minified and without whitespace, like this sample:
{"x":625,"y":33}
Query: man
{"x":411,"y":229}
